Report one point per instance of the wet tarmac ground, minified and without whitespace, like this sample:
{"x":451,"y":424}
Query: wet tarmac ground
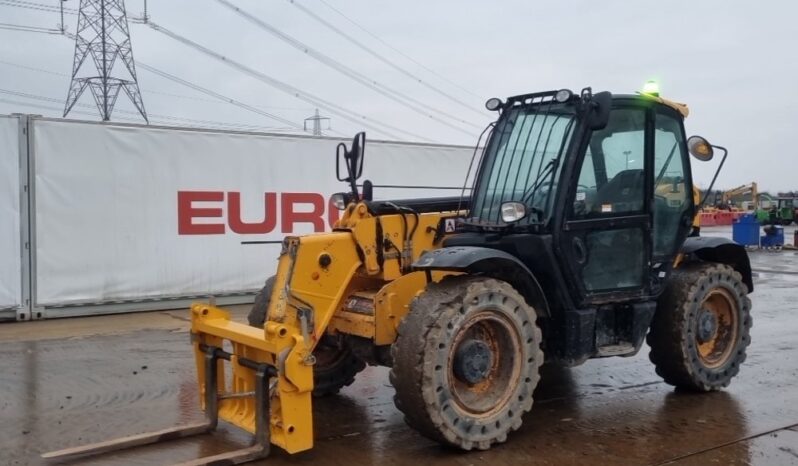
{"x":69,"y":382}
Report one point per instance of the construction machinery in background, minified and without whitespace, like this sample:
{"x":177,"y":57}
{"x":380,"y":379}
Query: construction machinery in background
{"x":735,"y":197}
{"x":784,"y":211}
{"x":769,"y":211}
{"x":775,"y":211}
{"x":572,"y":244}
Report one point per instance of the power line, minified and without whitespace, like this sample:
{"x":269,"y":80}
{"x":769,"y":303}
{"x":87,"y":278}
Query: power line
{"x":58,"y":111}
{"x":289,"y":89}
{"x":354,"y":117}
{"x":381,"y":57}
{"x":380,"y":40}
{"x":72,"y":11}
{"x":38,"y":6}
{"x":398,"y":97}
{"x":45,"y":107}
{"x":40,"y":70}
{"x":207,"y":123}
{"x":221,"y":97}
{"x":25,"y":28}
{"x":217,"y":99}
{"x":177,"y":96}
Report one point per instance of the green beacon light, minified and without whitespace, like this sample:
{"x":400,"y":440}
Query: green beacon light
{"x":651,"y":88}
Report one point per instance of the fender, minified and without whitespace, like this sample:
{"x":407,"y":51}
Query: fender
{"x":722,"y":250}
{"x":488,"y":262}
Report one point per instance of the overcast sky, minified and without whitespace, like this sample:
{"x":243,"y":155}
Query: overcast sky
{"x":735,"y":63}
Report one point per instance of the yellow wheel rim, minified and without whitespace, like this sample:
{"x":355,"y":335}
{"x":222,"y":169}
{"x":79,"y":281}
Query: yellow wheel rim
{"x":717,"y":328}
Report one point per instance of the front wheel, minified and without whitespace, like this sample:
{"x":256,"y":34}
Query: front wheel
{"x":701,"y":327}
{"x":336,"y":365}
{"x":466,"y":362}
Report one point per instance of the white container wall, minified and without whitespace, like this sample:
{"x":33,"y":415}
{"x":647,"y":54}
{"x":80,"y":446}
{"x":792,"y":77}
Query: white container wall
{"x":126,"y":212}
{"x":10,"y":233}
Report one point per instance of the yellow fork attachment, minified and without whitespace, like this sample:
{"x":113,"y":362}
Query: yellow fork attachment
{"x":261,"y":379}
{"x":274,"y":406}
{"x":282,"y":415}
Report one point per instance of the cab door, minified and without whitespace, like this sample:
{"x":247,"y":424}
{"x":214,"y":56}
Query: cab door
{"x":673,"y":207}
{"x":604,"y":237}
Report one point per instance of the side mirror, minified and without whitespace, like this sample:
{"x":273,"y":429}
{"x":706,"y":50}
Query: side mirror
{"x":599,"y":113}
{"x":357,"y":153}
{"x":352,"y":159}
{"x":700,"y":148}
{"x":513,"y":211}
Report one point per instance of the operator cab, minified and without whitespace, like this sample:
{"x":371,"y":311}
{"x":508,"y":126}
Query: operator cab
{"x":604,"y":179}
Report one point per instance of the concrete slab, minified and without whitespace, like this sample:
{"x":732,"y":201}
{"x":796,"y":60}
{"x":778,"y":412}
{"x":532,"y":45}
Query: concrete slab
{"x":776,"y":448}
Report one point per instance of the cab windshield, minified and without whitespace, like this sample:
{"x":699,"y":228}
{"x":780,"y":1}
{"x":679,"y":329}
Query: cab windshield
{"x":522,"y":161}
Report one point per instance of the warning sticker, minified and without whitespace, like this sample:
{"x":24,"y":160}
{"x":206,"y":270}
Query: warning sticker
{"x":606,"y":208}
{"x":449,"y":225}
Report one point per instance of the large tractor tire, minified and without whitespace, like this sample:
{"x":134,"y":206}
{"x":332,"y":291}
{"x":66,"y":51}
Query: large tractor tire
{"x":466,"y":362}
{"x":257,"y":315}
{"x":701,"y":328}
{"x":336,"y":365}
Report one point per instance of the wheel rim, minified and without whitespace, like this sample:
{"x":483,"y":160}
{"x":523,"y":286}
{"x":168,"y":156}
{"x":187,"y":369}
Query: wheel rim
{"x":716,"y":328}
{"x":484,"y":383}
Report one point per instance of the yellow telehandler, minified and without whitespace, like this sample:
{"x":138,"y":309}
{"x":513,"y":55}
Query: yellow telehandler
{"x":573,"y":242}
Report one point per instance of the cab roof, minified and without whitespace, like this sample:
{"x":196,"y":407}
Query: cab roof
{"x":679,"y":107}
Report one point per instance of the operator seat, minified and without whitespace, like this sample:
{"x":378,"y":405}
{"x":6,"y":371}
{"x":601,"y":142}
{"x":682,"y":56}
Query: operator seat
{"x":624,"y":193}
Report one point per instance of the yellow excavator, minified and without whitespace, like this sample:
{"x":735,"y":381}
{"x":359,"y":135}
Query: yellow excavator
{"x":571,"y":242}
{"x":727,"y":197}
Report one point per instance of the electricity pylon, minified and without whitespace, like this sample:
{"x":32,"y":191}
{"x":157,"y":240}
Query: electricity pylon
{"x":103,"y":35}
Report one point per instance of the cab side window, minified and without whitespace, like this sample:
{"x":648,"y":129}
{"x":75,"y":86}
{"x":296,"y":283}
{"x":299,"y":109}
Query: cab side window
{"x":612,"y":180}
{"x":672,"y":199}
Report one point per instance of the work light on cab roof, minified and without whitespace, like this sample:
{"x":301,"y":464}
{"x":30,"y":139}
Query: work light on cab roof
{"x":493,"y":104}
{"x":651,"y":88}
{"x":563,"y":95}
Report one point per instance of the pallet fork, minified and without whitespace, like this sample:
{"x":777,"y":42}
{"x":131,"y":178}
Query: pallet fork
{"x":261,"y":443}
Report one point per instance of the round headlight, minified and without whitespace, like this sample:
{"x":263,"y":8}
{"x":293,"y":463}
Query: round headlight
{"x":513,"y":211}
{"x":493,"y":104}
{"x":339,"y":201}
{"x":563,"y":95}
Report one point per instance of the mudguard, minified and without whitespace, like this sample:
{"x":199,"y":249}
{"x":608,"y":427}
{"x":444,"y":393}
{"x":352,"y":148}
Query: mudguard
{"x":722,"y":250}
{"x":488,"y":262}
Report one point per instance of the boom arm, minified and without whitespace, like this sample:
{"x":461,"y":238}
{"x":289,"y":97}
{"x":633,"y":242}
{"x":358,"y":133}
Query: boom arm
{"x":741,"y":191}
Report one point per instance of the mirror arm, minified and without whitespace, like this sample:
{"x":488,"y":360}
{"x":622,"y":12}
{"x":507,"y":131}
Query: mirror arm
{"x":712,"y":184}
{"x":354,"y":159}
{"x":351,"y":161}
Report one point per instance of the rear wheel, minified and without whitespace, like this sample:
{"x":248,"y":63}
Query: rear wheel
{"x":336,"y":365}
{"x":466,"y":362}
{"x":701,"y":328}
